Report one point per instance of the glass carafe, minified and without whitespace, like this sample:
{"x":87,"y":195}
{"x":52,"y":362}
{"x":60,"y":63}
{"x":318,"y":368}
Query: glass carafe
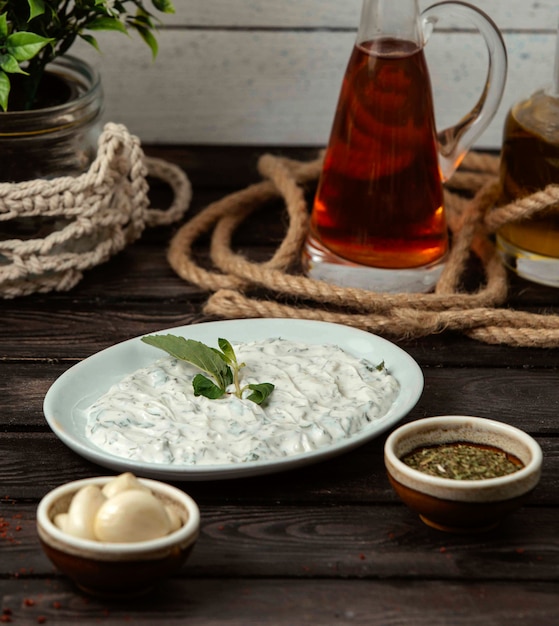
{"x":378,"y":218}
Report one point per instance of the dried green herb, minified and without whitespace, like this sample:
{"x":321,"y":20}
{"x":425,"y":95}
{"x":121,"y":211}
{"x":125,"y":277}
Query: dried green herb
{"x":462,"y":461}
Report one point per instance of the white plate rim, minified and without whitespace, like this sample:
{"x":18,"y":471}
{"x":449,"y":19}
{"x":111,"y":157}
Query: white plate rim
{"x":65,"y":395}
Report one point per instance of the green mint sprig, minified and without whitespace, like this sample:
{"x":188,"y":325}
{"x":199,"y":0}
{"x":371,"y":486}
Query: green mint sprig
{"x":221,"y":364}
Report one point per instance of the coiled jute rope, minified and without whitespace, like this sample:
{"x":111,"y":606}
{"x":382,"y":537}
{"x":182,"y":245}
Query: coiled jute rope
{"x":482,"y":315}
{"x":96,"y":214}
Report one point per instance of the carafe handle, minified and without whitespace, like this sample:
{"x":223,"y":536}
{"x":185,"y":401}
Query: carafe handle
{"x":455,"y":141}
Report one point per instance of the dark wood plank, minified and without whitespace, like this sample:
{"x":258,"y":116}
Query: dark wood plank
{"x":280,"y":602}
{"x":33,"y":463}
{"x":74,"y":328}
{"x":360,"y":542}
{"x":224,"y":167}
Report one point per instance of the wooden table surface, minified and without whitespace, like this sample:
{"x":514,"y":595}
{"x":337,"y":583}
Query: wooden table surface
{"x":326,"y":544}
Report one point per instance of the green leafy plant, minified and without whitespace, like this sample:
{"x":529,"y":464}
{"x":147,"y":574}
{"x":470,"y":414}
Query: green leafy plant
{"x":221,"y":364}
{"x":34,"y":32}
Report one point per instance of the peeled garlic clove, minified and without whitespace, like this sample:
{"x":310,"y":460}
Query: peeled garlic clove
{"x":82,"y":511}
{"x":122,"y":483}
{"x":60,"y":520}
{"x":130,"y":516}
{"x":174,"y":518}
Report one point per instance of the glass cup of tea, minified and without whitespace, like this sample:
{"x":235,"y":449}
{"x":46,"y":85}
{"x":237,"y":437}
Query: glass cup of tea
{"x":378,"y":219}
{"x":530,"y":162}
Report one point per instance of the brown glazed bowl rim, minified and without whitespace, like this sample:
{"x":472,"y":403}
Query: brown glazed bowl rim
{"x":87,"y":548}
{"x":453,"y":428}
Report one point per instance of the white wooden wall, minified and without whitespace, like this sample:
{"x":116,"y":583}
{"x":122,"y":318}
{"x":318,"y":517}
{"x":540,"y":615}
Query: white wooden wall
{"x":268,"y":72}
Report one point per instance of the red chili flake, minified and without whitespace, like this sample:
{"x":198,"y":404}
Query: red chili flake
{"x":442,"y":549}
{"x":362,"y":557}
{"x":17,"y":516}
{"x":519,"y":550}
{"x":56,"y":605}
{"x":392,"y":535}
{"x":41,"y":619}
{"x":5,"y":619}
{"x":29,"y":602}
{"x":18,"y":528}
{"x":221,"y":527}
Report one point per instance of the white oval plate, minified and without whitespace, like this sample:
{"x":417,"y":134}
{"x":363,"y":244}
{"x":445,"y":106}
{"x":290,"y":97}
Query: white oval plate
{"x":73,"y":392}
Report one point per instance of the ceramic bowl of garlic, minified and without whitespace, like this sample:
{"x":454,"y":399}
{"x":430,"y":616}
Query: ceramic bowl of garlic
{"x":117,"y":535}
{"x":462,"y":473}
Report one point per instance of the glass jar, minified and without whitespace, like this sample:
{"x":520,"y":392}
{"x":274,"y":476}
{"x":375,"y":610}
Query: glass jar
{"x":58,"y":140}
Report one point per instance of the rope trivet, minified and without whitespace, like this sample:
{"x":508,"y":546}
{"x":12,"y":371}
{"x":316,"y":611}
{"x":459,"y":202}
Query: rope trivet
{"x":399,"y":315}
{"x":96,"y":214}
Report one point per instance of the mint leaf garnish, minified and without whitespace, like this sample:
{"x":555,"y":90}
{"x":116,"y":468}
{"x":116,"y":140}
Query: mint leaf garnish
{"x":260,"y":392}
{"x":203,"y":386}
{"x":221,"y":365}
{"x":227,"y":351}
{"x":195,"y":352}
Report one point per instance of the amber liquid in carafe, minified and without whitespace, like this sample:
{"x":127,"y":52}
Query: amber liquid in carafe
{"x":529,"y":162}
{"x":380,"y":200}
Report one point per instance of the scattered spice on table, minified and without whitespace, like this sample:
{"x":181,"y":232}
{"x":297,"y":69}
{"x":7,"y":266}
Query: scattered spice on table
{"x":462,"y":461}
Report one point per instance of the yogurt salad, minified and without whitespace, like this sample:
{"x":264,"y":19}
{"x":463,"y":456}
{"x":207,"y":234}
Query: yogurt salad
{"x":322,"y":394}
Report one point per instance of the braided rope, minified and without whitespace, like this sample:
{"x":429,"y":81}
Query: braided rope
{"x":96,"y":215}
{"x":399,"y":316}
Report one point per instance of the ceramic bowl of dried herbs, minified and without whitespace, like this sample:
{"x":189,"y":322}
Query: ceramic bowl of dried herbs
{"x":462,"y":473}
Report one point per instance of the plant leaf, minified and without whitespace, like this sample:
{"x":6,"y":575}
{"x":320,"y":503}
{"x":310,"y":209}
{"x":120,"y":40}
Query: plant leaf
{"x":36,"y":8}
{"x":149,"y":38}
{"x":227,"y":349}
{"x":10,"y":65}
{"x":203,"y":386}
{"x":3,"y":25}
{"x":90,"y":40}
{"x":24,"y":46}
{"x":194,"y":352}
{"x":260,"y":392}
{"x":4,"y":90}
{"x":165,"y":6}
{"x":107,"y":23}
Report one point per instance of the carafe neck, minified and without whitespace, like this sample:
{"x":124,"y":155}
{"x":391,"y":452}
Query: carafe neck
{"x":394,"y":19}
